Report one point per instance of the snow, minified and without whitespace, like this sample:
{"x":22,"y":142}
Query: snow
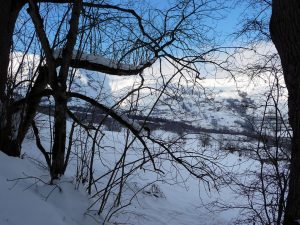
{"x":27,"y":198}
{"x":174,"y":197}
{"x":101,"y":60}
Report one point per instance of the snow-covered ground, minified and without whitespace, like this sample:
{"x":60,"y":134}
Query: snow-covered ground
{"x":27,"y":198}
{"x":171,"y":196}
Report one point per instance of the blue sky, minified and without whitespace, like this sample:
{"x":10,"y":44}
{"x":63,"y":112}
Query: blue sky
{"x":231,"y":16}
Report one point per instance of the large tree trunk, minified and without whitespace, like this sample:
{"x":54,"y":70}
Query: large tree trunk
{"x":285,"y":33}
{"x":9,"y":11}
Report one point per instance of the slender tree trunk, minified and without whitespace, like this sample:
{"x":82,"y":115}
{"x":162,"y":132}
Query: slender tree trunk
{"x":285,"y":33}
{"x":9,"y":11}
{"x":58,"y":151}
{"x":60,"y":95}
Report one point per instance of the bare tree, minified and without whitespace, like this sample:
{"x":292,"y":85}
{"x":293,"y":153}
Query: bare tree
{"x":263,"y":193}
{"x":142,"y":39}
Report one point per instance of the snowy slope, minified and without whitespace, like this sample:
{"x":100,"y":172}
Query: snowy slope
{"x":222,"y":103}
{"x":27,"y":198}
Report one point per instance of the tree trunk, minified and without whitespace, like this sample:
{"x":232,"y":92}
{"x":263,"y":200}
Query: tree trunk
{"x":60,"y":95}
{"x":285,"y":33}
{"x":58,"y":151}
{"x":9,"y":11}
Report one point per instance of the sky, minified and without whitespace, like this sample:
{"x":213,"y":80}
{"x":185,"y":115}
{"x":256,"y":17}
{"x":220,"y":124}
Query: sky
{"x":231,"y":14}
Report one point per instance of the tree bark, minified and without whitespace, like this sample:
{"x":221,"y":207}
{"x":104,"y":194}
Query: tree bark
{"x":285,"y":33}
{"x":60,"y":96}
{"x":58,"y":151}
{"x":9,"y":11}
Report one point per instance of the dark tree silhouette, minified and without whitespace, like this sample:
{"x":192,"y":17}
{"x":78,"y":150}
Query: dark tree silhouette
{"x":285,"y":33}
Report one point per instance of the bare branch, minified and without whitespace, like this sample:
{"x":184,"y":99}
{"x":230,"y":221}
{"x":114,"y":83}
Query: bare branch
{"x":101,"y":64}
